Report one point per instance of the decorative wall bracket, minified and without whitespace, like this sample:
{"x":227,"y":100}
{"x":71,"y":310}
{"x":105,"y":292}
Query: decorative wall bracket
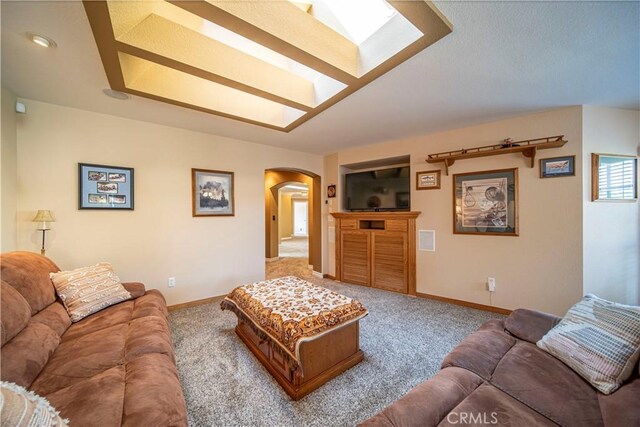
{"x":528,"y":148}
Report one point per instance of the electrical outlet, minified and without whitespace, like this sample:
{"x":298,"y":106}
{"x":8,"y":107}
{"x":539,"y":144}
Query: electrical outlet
{"x":171,"y":282}
{"x":491,"y":284}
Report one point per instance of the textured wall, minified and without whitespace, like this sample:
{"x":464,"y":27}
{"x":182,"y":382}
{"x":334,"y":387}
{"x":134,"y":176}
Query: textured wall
{"x":542,"y":268}
{"x":207,"y":255}
{"x":9,"y":178}
{"x":611,"y":229}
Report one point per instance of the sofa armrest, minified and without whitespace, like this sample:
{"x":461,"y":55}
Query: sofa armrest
{"x":530,"y":325}
{"x":136,"y":289}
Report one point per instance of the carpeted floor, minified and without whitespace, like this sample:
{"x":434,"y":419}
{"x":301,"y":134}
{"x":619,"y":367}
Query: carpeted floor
{"x":404,"y":340}
{"x":296,"y":247}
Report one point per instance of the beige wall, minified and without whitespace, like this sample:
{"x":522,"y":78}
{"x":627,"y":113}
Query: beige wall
{"x":9,"y":174}
{"x":611,"y":230}
{"x":542,"y":268}
{"x":208,"y":256}
{"x":285,"y":225}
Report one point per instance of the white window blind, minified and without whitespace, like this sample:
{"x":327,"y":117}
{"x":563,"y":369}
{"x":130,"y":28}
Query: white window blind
{"x":616,"y":178}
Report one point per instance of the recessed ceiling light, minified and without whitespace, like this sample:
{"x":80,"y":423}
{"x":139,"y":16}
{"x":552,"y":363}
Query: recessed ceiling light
{"x":41,"y":40}
{"x":116,"y":94}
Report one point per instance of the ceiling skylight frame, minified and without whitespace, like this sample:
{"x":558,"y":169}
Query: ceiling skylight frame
{"x":334,"y":78}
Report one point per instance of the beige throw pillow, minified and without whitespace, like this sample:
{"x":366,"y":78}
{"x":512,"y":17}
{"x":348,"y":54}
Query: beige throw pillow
{"x":22,"y":408}
{"x":598,"y":339}
{"x":87,"y":290}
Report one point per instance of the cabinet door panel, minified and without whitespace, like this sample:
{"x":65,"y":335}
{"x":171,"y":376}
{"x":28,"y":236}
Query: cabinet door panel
{"x":356,"y":262}
{"x":389,"y":253}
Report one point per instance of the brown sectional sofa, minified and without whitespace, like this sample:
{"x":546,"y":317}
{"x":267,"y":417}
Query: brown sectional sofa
{"x":115,"y":367}
{"x":497,"y":376}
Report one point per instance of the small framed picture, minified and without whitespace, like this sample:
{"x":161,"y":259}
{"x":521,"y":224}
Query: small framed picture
{"x":105,"y":187}
{"x":614,"y":178}
{"x":428,"y":180}
{"x":97,"y":176}
{"x":212,"y":193}
{"x":117,"y":177}
{"x":331,"y":191}
{"x":555,"y":167}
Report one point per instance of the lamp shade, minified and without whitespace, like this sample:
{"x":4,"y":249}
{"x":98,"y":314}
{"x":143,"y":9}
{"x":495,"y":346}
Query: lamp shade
{"x":44,"y":216}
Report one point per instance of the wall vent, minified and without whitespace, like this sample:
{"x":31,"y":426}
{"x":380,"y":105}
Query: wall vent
{"x":427,"y":240}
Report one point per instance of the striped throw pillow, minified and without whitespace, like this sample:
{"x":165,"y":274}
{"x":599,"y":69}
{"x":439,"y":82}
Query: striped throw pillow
{"x":599,"y":340}
{"x":87,"y":290}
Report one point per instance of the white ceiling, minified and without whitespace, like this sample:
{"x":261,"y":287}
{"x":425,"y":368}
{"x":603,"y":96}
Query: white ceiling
{"x":503,"y":59}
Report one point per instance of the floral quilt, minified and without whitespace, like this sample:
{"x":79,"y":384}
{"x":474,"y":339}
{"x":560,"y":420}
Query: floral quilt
{"x":291,"y":310}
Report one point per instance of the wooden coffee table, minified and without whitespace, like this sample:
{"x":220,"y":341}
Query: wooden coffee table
{"x":322,"y":352}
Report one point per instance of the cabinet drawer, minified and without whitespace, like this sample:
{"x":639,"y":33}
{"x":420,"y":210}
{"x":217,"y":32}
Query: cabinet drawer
{"x":349,"y":224}
{"x":396,"y":225}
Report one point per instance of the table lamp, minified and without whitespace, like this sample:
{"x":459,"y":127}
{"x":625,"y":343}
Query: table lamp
{"x":43,"y":218}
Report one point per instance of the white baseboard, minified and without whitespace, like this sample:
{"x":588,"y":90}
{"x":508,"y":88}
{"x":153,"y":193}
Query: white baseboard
{"x":286,"y":238}
{"x":318,"y":275}
{"x":272,"y":259}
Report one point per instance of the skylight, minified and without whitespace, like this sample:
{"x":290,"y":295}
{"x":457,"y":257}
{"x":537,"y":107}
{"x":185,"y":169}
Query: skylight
{"x":355,"y":19}
{"x":272,"y":63}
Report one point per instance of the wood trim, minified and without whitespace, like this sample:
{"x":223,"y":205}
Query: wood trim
{"x":377,"y":215}
{"x":194,"y":303}
{"x":422,"y":14}
{"x":462,"y":303}
{"x":328,"y":276}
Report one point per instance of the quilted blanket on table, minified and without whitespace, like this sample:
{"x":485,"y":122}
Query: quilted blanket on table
{"x":291,"y":311}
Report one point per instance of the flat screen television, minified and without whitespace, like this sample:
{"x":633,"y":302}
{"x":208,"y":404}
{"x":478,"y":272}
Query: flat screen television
{"x":378,"y":190}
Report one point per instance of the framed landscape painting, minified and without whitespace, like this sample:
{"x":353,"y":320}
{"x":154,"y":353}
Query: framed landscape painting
{"x":105,"y":187}
{"x":557,"y":167}
{"x":486,"y":203}
{"x":212,"y":193}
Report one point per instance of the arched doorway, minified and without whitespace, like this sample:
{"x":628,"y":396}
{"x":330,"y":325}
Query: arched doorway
{"x":274,"y":180}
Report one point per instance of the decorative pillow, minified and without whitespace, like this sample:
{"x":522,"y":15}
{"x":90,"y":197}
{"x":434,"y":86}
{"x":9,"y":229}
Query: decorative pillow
{"x":22,"y":408}
{"x":598,"y":339}
{"x":87,"y":290}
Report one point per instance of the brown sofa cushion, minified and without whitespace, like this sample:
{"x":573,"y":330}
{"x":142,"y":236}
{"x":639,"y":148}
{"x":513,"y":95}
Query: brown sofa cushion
{"x":14,"y":311}
{"x":55,"y":316}
{"x":28,"y":273}
{"x":530,"y":325}
{"x":489,"y":406}
{"x":26,"y":354}
{"x":136,"y":289}
{"x":428,"y":403}
{"x":547,"y":385}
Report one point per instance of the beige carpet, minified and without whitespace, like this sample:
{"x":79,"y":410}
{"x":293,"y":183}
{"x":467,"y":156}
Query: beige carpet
{"x":296,"y":247}
{"x":404,"y":340}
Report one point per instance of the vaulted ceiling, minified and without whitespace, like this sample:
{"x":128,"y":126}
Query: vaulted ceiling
{"x":502,"y":59}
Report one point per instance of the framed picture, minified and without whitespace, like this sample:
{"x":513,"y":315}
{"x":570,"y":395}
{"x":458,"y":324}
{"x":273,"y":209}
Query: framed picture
{"x":614,"y":178}
{"x":486,"y":203}
{"x":105,"y":187}
{"x":331,"y":191}
{"x":428,"y":180}
{"x":212,"y":193}
{"x":555,"y":167}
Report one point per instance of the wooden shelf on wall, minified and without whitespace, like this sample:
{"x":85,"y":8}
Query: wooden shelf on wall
{"x":528,"y":148}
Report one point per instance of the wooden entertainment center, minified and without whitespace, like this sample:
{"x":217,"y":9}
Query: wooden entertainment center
{"x":377,"y":249}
